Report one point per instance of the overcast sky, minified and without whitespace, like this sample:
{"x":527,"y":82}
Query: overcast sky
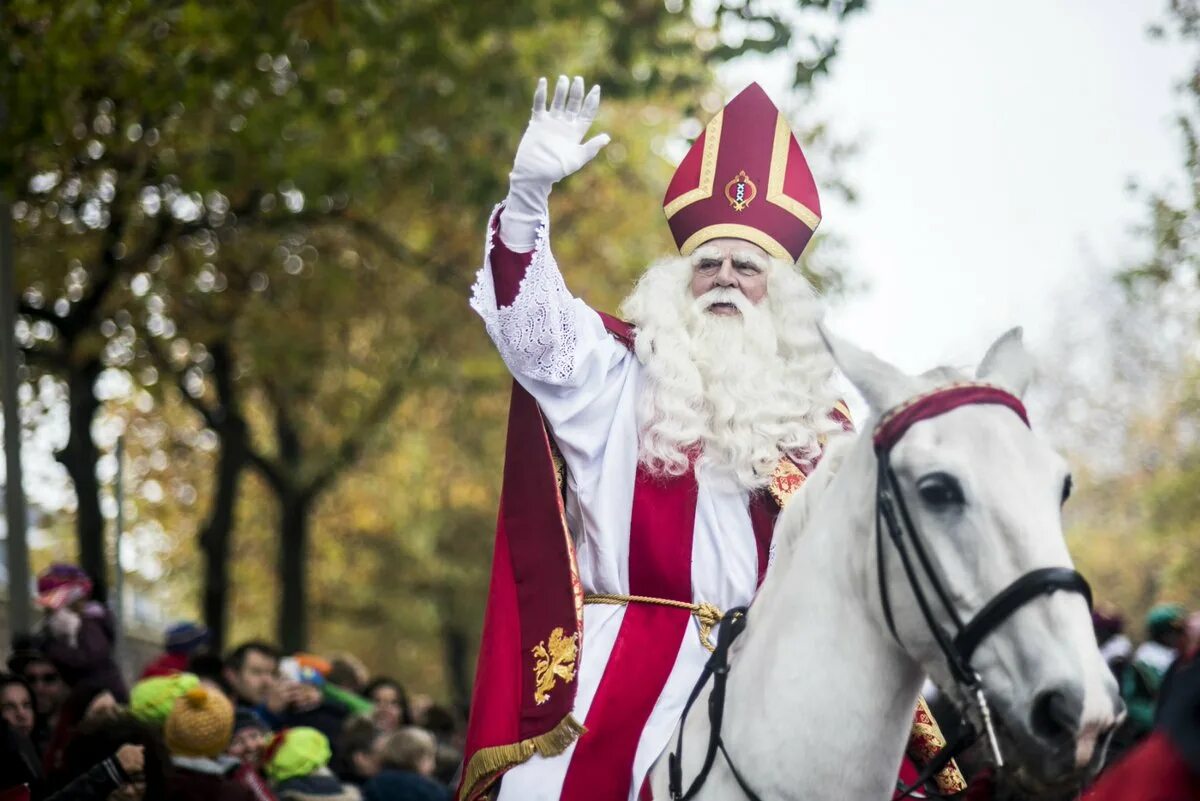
{"x":998,"y":141}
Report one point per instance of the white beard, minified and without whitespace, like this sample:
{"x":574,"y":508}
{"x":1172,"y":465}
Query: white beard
{"x":740,"y":391}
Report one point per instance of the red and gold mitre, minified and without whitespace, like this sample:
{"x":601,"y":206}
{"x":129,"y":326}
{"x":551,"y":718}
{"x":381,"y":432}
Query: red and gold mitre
{"x":745,"y":177}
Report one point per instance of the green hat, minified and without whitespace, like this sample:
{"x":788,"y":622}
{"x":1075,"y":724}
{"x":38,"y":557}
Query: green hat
{"x":296,"y":752}
{"x":151,"y":700}
{"x":1164,"y":617}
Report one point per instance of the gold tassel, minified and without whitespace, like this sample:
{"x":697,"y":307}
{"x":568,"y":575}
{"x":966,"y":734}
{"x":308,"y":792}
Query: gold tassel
{"x":488,"y":763}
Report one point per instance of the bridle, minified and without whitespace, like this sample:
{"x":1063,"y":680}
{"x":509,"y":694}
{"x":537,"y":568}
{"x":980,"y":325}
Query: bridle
{"x":957,"y":645}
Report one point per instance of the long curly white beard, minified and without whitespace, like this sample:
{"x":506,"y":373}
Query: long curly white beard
{"x":742,"y":391}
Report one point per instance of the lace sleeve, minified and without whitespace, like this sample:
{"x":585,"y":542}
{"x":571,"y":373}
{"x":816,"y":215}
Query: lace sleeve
{"x":536,"y":335}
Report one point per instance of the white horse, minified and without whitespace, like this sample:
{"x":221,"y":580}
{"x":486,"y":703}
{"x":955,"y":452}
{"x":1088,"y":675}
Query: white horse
{"x":820,"y":694}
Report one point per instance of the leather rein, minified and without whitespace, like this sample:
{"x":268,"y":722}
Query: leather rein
{"x":957,"y":645}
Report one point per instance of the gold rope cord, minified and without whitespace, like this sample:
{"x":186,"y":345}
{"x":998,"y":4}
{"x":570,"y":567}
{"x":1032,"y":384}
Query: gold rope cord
{"x":707,"y":615}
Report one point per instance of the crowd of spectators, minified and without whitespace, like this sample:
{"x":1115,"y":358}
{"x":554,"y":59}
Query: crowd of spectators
{"x":258,"y":725}
{"x":250,"y":725}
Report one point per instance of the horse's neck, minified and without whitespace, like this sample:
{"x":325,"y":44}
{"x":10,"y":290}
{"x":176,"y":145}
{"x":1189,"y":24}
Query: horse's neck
{"x":820,"y":698}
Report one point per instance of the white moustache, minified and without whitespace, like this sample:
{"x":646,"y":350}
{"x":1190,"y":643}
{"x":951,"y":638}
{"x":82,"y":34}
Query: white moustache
{"x":722,"y":295}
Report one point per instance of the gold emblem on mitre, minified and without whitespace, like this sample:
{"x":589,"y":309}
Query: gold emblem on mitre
{"x":740,"y":191}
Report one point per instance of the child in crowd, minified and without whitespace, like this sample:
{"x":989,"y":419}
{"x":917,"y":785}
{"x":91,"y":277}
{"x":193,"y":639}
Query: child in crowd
{"x":197,"y":732}
{"x":297,"y":762}
{"x":407,"y":757}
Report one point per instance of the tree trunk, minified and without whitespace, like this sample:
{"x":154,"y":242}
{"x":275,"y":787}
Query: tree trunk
{"x":294,"y":510}
{"x":79,"y":457}
{"x":458,"y":674}
{"x":216,"y":535}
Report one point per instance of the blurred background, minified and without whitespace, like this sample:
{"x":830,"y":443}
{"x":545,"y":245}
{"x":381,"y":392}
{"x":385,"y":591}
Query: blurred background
{"x":242,"y":237}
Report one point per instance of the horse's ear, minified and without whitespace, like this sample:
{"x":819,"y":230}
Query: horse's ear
{"x":1007,"y":364}
{"x":881,"y":384}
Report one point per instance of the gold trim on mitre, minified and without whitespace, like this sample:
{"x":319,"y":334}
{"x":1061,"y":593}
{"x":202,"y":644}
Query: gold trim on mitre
{"x":779,"y":159}
{"x":487,"y":763}
{"x":735,"y":231}
{"x":708,"y":169}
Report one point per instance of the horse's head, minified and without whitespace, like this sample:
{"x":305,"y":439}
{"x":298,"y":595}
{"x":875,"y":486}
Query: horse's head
{"x":983,"y":495}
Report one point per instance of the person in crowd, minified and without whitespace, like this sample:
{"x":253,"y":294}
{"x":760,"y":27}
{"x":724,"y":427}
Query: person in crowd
{"x":391,"y":703}
{"x":115,"y":777}
{"x":17,"y":704}
{"x":297,"y":763}
{"x":348,"y":672}
{"x":249,"y":740}
{"x":49,"y":690}
{"x":1143,"y":677}
{"x":357,"y":758}
{"x":297,"y":699}
{"x":407,"y":760}
{"x":151,"y":700}
{"x":334,"y":693}
{"x":90,"y":702}
{"x":210,"y":669}
{"x":116,"y":758}
{"x":1115,"y":647}
{"x":78,"y":632}
{"x":181,"y":641}
{"x":247,"y":746}
{"x":19,"y":762}
{"x":197,"y":732}
{"x":1166,"y":765}
{"x":447,"y":728}
{"x":251,"y":672}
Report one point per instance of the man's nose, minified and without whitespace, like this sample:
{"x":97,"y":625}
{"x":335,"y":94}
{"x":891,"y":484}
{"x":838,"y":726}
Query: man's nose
{"x":726,"y":276}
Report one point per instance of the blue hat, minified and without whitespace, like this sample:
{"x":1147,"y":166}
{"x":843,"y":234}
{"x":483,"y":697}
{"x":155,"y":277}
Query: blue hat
{"x":185,"y":637}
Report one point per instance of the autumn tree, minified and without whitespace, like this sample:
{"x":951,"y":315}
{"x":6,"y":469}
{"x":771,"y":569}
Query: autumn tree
{"x":274,"y":211}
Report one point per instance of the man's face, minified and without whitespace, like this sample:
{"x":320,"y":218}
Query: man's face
{"x":16,"y":707}
{"x":733,"y":264}
{"x":48,"y":687}
{"x":253,"y":681}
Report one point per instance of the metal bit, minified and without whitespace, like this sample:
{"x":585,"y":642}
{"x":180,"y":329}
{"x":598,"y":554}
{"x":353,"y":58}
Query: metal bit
{"x":986,"y":713}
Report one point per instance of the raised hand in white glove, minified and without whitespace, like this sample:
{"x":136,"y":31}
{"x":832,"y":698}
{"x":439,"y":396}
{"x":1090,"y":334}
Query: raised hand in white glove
{"x":551,"y":149}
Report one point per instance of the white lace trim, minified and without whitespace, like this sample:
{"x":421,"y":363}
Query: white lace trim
{"x":536,"y":334}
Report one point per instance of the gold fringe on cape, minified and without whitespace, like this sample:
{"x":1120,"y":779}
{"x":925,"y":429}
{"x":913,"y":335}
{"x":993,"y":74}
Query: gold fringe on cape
{"x":487,"y":764}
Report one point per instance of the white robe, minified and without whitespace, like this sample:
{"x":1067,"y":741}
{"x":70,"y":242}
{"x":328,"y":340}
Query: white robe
{"x":586,"y":384}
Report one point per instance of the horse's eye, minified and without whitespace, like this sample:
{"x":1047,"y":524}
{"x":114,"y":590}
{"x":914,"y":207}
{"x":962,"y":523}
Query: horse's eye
{"x":940,"y":490}
{"x":1067,"y":485}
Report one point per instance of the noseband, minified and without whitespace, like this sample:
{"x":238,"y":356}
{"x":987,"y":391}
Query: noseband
{"x":957,"y":645}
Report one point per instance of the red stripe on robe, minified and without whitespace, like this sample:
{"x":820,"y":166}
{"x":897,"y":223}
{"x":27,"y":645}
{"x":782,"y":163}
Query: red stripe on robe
{"x":660,"y":565}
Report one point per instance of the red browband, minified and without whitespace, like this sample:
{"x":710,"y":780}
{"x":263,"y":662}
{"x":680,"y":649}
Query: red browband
{"x":892,"y":425}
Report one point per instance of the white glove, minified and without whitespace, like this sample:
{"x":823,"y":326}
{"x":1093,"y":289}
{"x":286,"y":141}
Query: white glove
{"x":64,"y":625}
{"x":551,"y":149}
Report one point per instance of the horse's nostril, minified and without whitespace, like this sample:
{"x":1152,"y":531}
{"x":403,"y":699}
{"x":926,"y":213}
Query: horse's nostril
{"x":1055,"y":715}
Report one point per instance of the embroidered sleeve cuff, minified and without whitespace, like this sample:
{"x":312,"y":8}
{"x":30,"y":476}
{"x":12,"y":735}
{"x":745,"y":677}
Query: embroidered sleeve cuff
{"x":535,"y":330}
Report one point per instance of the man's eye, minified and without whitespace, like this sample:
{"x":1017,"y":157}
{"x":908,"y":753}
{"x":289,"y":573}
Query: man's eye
{"x":747,"y":269}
